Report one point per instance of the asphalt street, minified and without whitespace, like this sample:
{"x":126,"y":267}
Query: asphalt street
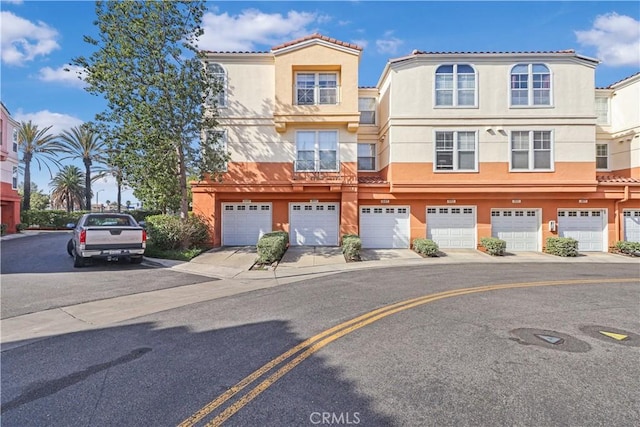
{"x":462,"y":358}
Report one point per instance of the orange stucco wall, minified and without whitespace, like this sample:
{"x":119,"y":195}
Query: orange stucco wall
{"x":10,"y":207}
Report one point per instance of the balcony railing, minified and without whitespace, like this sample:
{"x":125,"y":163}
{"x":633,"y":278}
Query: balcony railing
{"x":317,"y":95}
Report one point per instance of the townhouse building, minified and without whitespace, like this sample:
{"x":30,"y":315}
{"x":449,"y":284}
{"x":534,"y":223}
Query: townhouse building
{"x":451,"y":146}
{"x":9,"y":197}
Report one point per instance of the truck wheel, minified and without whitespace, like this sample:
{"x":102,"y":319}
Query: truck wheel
{"x":78,"y":261}
{"x":70,"y":247}
{"x":136,"y":259}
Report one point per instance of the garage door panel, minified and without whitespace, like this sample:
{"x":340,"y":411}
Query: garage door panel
{"x":243,"y":224}
{"x":314,"y":224}
{"x":452,"y":227}
{"x":586,"y":226}
{"x":386,"y":227}
{"x":631,"y":225}
{"x":520,"y":228}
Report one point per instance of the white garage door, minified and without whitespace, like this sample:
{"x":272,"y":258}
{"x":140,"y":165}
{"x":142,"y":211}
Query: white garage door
{"x":452,"y":227}
{"x":586,"y":226}
{"x":243,"y":223}
{"x":519,"y":228}
{"x":384,"y":227}
{"x":632,"y":226}
{"x":314,"y":224}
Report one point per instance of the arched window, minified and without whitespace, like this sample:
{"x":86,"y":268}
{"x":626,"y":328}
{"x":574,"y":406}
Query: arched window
{"x":219,"y":78}
{"x":530,"y":85}
{"x":455,"y":86}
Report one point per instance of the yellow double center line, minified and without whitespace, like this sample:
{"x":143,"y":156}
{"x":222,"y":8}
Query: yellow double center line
{"x":315,"y":343}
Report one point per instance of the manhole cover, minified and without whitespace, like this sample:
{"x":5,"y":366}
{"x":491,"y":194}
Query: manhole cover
{"x":549,"y":339}
{"x":612,"y":335}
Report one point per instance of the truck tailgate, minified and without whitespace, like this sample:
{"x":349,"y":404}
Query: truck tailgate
{"x":114,"y":237}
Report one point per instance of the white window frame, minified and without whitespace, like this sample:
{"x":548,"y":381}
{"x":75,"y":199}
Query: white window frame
{"x":375,"y":159}
{"x":14,"y":177}
{"x":607,"y":156}
{"x":220,"y":99}
{"x":455,"y":151}
{"x":600,"y":120}
{"x":455,"y":89}
{"x":222,"y":140}
{"x":316,"y":151}
{"x":317,"y":89}
{"x":15,"y":140}
{"x":530,"y":89}
{"x":531,"y":151}
{"x":362,"y":110}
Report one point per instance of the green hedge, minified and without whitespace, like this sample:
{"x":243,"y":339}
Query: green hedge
{"x":426,"y":247}
{"x":272,"y":246}
{"x":140,"y":215}
{"x":3,"y":229}
{"x":167,"y":232}
{"x":562,"y":246}
{"x":351,"y":246}
{"x":49,"y":219}
{"x":493,"y":245}
{"x":628,"y":248}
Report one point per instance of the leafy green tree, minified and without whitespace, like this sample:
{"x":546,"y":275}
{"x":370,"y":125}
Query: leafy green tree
{"x":84,"y":143}
{"x":39,"y":199}
{"x":147,"y":66}
{"x":36,"y":145}
{"x":68,"y":188}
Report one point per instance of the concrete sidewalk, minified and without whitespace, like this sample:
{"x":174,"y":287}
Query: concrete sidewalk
{"x":233,"y":267}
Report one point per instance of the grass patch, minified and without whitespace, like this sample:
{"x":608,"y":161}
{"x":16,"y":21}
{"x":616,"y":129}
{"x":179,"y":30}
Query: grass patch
{"x":175,"y":254}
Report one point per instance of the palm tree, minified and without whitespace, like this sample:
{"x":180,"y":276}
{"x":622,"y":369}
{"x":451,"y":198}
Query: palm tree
{"x":68,"y":188}
{"x":84,"y":143}
{"x":40,"y":146}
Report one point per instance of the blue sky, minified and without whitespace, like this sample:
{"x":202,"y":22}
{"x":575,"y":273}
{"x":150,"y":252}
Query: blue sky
{"x":39,"y":38}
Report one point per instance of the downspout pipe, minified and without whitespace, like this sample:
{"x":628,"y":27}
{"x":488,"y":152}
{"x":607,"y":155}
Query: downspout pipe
{"x":617,"y":212}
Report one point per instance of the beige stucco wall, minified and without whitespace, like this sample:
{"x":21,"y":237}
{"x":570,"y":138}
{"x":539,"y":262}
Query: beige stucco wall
{"x":317,"y":57}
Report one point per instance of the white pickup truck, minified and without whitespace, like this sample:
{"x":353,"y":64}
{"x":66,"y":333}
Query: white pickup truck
{"x":109,"y":236}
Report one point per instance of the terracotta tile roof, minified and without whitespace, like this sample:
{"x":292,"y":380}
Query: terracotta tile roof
{"x":566,"y":51}
{"x":316,"y":36}
{"x":371,"y":180}
{"x":620,"y":81}
{"x":234,"y":51}
{"x":617,"y":179}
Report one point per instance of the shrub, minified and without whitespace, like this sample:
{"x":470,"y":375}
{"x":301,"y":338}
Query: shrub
{"x":272,"y":246}
{"x":20,"y":227}
{"x":426,"y":247}
{"x":493,"y":245}
{"x":168,"y":232}
{"x":3,"y":229}
{"x":628,"y":248}
{"x":140,"y":215}
{"x":562,"y":246}
{"x":351,"y":245}
{"x":50,"y":219}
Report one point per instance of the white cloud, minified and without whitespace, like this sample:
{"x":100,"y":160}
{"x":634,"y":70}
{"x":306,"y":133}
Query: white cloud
{"x":59,"y":122}
{"x":22,"y":40}
{"x":360,"y":42}
{"x":70,"y":77}
{"x":243,"y":32}
{"x":616,"y":38}
{"x":13,"y":1}
{"x":389,"y":44}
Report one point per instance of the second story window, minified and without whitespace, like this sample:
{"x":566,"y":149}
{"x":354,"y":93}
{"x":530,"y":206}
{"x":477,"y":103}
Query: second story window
{"x":602,"y":110}
{"x":316,"y":88}
{"x":367,"y":108}
{"x":316,"y":151}
{"x":531,"y":151}
{"x":530,"y":85}
{"x":602,"y":156}
{"x":455,"y":86}
{"x":218,"y":76}
{"x":455,"y":151}
{"x":15,"y":140}
{"x":366,"y":157}
{"x":14,"y":178}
